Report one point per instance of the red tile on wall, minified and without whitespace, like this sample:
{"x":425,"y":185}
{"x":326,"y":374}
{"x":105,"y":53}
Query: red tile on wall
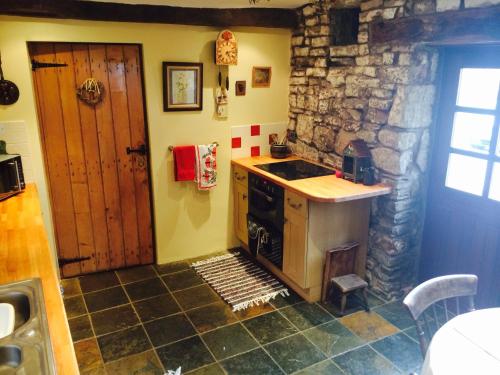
{"x":255,"y":151}
{"x":236,"y":142}
{"x":255,"y":130}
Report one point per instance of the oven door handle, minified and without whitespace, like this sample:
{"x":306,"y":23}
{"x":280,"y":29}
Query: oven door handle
{"x":261,"y":194}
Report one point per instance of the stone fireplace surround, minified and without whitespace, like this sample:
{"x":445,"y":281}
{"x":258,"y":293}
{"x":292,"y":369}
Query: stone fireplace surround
{"x":384,"y":94}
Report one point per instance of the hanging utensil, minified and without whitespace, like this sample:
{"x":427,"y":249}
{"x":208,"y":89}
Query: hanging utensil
{"x":9,"y":93}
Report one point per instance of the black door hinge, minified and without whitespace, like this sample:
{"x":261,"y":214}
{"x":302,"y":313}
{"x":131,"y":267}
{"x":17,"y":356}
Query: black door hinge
{"x":37,"y":65}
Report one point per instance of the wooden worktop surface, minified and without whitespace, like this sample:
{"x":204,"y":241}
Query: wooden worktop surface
{"x":25,"y":254}
{"x":321,"y":189}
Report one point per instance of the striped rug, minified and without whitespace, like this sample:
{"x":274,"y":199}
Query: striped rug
{"x":239,"y":281}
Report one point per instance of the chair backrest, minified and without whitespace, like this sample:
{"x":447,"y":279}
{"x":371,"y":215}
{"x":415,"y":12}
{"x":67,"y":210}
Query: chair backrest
{"x":339,"y":261}
{"x":434,"y":290}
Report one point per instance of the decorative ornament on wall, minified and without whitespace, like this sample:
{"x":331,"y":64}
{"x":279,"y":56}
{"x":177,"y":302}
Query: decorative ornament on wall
{"x":9,"y":93}
{"x":91,"y":91}
{"x":226,"y":48}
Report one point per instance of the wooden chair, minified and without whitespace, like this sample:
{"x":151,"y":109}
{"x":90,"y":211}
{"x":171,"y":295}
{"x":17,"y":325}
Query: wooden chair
{"x":339,"y":275}
{"x":433,"y":291}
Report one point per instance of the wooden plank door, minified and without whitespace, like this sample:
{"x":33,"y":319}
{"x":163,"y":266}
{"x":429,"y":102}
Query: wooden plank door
{"x":100,"y":193}
{"x":462,"y":228}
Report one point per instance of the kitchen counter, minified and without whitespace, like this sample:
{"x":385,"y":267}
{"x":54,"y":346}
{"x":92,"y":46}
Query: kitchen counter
{"x":25,"y":254}
{"x":320,"y":189}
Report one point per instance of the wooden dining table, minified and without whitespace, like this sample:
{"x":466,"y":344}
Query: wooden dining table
{"x":468,"y":344}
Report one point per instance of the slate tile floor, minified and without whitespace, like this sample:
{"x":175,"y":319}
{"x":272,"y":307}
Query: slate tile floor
{"x":149,"y":319}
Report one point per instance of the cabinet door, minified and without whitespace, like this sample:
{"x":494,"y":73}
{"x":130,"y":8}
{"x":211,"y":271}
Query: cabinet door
{"x":240,"y":212}
{"x":295,"y":247}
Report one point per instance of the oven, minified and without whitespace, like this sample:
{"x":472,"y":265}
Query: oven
{"x":11,"y":176}
{"x":265,"y":219}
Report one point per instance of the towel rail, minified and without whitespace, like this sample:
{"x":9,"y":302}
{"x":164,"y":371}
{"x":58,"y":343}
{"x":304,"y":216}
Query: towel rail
{"x":171,"y":148}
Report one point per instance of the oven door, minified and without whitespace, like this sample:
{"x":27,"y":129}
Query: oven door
{"x":266,"y":207}
{"x":10,"y":181}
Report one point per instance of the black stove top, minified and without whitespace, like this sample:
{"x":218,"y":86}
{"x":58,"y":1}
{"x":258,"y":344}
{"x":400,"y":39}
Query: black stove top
{"x":295,"y":169}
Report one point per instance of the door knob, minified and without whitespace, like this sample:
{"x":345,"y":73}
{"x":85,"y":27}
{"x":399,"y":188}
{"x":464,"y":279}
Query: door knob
{"x":141,"y":150}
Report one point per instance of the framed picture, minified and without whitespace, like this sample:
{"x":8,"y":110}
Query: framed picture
{"x":182,"y":86}
{"x":241,"y":88}
{"x":261,"y":76}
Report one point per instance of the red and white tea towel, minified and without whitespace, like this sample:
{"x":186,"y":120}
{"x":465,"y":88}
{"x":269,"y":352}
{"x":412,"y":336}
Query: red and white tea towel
{"x":206,"y":166}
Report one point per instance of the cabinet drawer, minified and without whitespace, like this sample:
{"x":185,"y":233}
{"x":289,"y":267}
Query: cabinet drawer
{"x":295,"y":203}
{"x":240,"y":175}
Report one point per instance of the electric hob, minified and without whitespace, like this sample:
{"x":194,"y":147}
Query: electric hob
{"x":295,"y":169}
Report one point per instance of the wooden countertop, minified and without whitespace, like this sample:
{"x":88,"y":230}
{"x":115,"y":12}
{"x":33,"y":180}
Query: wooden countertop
{"x":321,"y":189}
{"x":25,"y":254}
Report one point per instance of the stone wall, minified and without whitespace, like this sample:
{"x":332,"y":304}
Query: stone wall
{"x":383,"y":94}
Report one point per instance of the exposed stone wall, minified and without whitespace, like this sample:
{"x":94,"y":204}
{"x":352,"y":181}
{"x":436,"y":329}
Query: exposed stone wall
{"x":383,"y":94}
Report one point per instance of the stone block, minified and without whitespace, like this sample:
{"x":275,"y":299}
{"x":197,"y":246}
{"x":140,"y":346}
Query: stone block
{"x":352,"y":126}
{"x":367,"y":135}
{"x":354,"y":103}
{"x":391,"y":161}
{"x":297,"y":41}
{"x":444,"y":5}
{"x":363,"y":37}
{"x":382,"y":93}
{"x":344,"y":51}
{"x":301,"y":51}
{"x":311,"y":21}
{"x":404,"y":59}
{"x":343,"y":139}
{"x":371,"y":4}
{"x":423,"y":151}
{"x":395,"y":74}
{"x":309,"y":10}
{"x":412,"y":107}
{"x":318,"y":52}
{"x":382,"y":104}
{"x":369,"y":16}
{"x":363,"y":49}
{"x":316,"y":72}
{"x":342,"y":61}
{"x":376,"y":116}
{"x":320,"y":63}
{"x":298,"y":80}
{"x":305,"y":127}
{"x":397,"y":139}
{"x":388,"y":58}
{"x":336,"y":78}
{"x":394,"y":3}
{"x":369,"y":60}
{"x":324,"y":138}
{"x":321,"y":41}
{"x":389,"y":13}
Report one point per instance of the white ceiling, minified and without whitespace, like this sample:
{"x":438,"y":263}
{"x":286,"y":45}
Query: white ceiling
{"x":216,"y":3}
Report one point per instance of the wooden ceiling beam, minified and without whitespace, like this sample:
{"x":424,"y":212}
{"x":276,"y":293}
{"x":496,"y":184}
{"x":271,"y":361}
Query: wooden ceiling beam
{"x":97,"y":11}
{"x":463,"y":26}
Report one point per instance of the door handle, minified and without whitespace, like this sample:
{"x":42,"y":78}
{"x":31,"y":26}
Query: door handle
{"x":141,"y":150}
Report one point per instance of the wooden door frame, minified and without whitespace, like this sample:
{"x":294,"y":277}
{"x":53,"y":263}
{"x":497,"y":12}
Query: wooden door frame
{"x":146,"y":141}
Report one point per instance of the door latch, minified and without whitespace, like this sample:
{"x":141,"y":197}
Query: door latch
{"x":141,"y":150}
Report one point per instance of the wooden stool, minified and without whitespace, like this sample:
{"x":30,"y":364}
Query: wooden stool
{"x":338,"y":275}
{"x":348,"y":284}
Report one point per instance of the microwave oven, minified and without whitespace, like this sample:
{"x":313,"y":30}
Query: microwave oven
{"x":11,"y":176}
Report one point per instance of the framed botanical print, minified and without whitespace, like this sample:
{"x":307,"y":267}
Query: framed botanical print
{"x":261,"y":76}
{"x":182,"y":86}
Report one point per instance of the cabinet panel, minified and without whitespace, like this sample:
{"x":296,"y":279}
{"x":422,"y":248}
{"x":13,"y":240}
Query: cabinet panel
{"x":295,"y":247}
{"x":240,"y":175}
{"x":240,"y":212}
{"x":295,"y":203}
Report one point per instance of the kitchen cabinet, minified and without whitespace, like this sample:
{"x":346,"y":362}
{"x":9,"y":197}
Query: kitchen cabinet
{"x":295,"y":247}
{"x":241,"y":204}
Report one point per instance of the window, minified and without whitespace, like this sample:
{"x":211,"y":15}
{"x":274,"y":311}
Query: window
{"x":474,"y":157}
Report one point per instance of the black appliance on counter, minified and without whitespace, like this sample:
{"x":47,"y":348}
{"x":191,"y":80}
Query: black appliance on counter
{"x":295,"y":169}
{"x":265,"y":219}
{"x":11,"y":175}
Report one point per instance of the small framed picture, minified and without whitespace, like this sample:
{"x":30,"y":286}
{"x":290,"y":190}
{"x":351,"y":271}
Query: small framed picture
{"x":261,"y":76}
{"x":182,"y":86}
{"x":241,"y":88}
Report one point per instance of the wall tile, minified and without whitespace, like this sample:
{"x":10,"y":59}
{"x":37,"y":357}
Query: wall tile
{"x":14,"y":133}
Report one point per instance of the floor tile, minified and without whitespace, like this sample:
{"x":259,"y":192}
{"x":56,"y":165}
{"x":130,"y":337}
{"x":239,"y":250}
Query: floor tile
{"x":129,"y":275}
{"x":213,"y":369}
{"x":353,"y":304}
{"x":228,"y":341}
{"x":166,"y":330}
{"x":412,"y":333}
{"x":87,"y":354}
{"x":270,"y":327}
{"x":114,"y":319}
{"x":368,"y":326}
{"x":190,"y":354}
{"x":98,"y":281}
{"x":80,"y":328}
{"x":364,"y":361}
{"x":306,"y":315}
{"x":95,"y":371}
{"x":401,"y":351}
{"x":74,"y":306}
{"x":71,"y":287}
{"x":156,"y":307}
{"x":164,"y":269}
{"x":333,"y":338}
{"x":323,"y":368}
{"x":145,"y":363}
{"x":212,"y":316}
{"x":251,"y":363}
{"x":294,"y":353}
{"x":396,"y":313}
{"x":123,"y":343}
{"x":254,"y":311}
{"x":182,"y":280}
{"x":104,"y":299}
{"x":196,"y":297}
{"x":280,"y":301}
{"x":145,"y":289}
